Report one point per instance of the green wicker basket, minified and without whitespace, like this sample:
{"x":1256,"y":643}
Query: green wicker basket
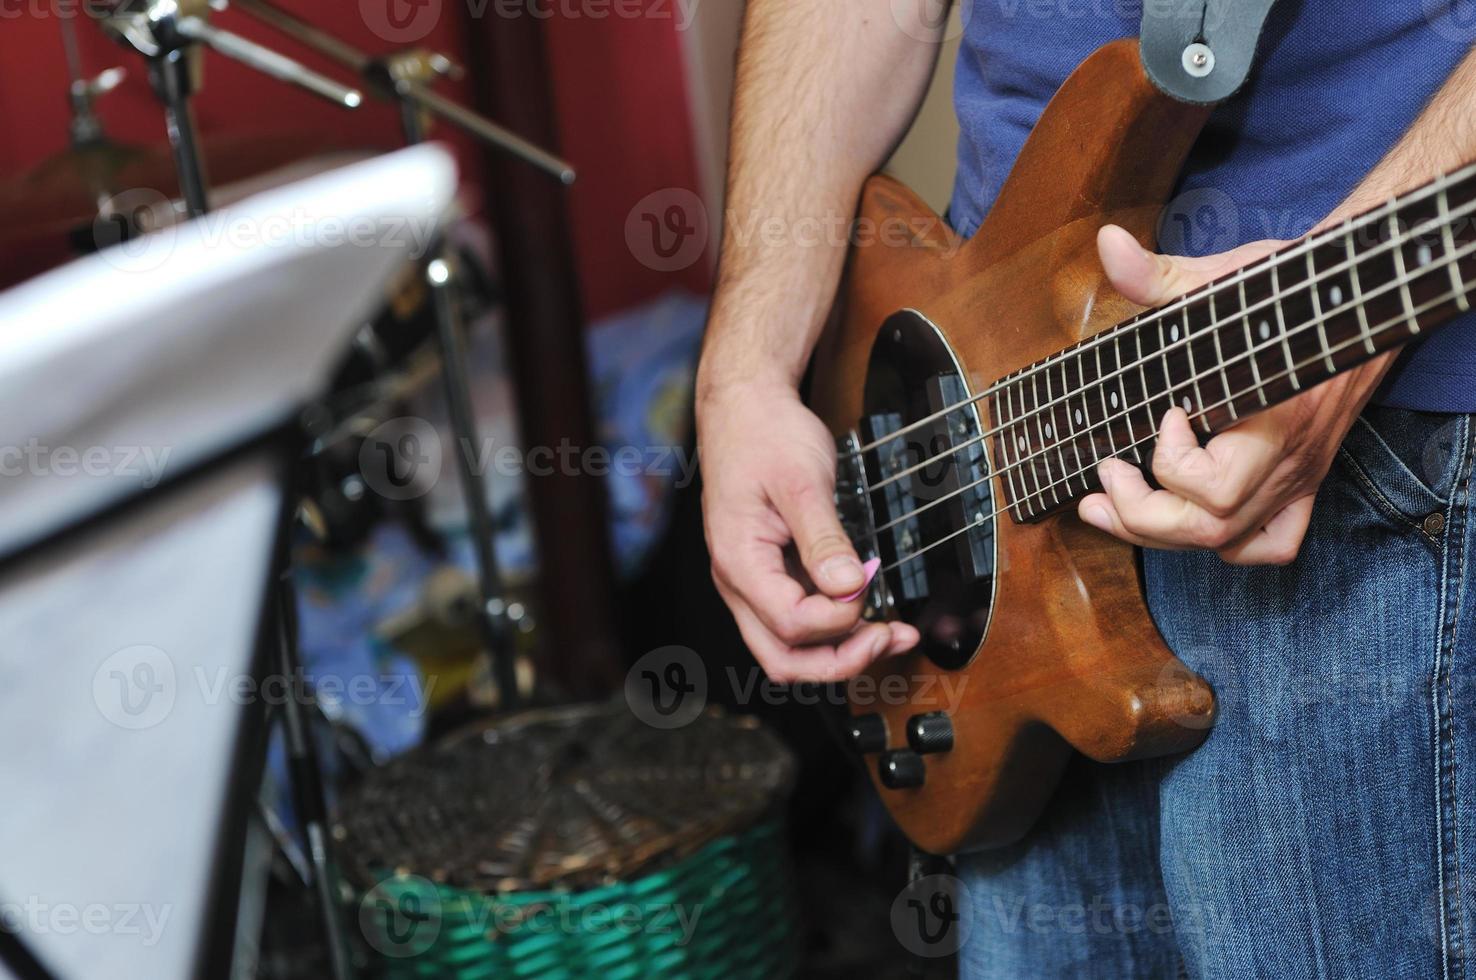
{"x":578,"y":843}
{"x":725,"y":912}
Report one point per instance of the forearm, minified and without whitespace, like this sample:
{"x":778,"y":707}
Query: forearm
{"x":825,"y":90}
{"x":1441,"y":139}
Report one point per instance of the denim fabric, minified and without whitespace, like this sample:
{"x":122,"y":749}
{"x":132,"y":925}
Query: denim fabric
{"x":1327,"y":826}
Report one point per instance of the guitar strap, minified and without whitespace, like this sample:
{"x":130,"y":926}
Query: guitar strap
{"x":1201,"y":51}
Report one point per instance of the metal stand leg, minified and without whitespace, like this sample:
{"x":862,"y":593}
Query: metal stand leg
{"x":492,"y":620}
{"x":170,"y":73}
{"x":307,"y":785}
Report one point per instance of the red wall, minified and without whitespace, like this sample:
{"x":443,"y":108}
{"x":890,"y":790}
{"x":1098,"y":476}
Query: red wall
{"x":619,"y":87}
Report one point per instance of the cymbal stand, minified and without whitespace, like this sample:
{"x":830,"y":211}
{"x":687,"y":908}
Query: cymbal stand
{"x":404,"y":78}
{"x":168,"y":33}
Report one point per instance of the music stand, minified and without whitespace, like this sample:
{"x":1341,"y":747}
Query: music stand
{"x":135,"y":596}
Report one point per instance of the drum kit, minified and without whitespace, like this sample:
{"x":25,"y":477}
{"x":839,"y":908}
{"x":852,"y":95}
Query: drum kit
{"x":85,"y":200}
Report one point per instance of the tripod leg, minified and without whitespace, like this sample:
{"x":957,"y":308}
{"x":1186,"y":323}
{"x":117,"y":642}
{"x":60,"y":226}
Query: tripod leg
{"x":307,"y":785}
{"x":491,"y":609}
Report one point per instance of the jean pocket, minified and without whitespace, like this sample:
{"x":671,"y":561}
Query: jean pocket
{"x":1411,"y":460}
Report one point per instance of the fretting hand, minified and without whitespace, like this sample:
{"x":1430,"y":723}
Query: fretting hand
{"x":1247,"y":494}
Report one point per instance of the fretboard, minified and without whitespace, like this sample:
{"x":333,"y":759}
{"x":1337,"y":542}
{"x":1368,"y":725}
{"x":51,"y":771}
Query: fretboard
{"x":1236,"y":346}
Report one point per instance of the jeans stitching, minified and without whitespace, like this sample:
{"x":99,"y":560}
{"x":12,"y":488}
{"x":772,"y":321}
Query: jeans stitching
{"x":1452,"y":925}
{"x":1377,"y":498}
{"x":1399,"y":461}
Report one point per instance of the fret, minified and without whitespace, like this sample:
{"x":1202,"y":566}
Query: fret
{"x":1005,"y":443}
{"x":1404,"y":297}
{"x":1251,"y":354}
{"x":1102,"y":393}
{"x":1143,"y":379}
{"x":1022,"y":444}
{"x":1163,"y":359}
{"x":1090,"y":399}
{"x":1117,"y":396}
{"x":1448,"y":238}
{"x":1230,"y":394}
{"x":1357,"y":281}
{"x":1291,"y":365}
{"x":1193,"y":373}
{"x":1073,"y":420}
{"x":1314,"y":288}
{"x":1044,"y":457}
{"x":1053,"y":431}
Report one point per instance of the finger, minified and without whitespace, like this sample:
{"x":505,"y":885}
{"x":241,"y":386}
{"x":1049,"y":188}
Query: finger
{"x":1279,"y":541}
{"x":787,"y":664}
{"x":753,"y":570}
{"x":1160,"y":518}
{"x":1149,"y":279}
{"x":825,"y":551}
{"x":904,"y":638}
{"x":1142,"y":276}
{"x":1222,"y":476}
{"x":1151,"y":518}
{"x":1097,"y":510}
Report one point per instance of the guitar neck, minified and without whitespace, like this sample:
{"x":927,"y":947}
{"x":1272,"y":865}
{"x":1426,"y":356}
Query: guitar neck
{"x":1236,"y":346}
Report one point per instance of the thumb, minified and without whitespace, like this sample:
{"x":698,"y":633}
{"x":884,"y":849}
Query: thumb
{"x":823,"y":547}
{"x":1141,"y":276}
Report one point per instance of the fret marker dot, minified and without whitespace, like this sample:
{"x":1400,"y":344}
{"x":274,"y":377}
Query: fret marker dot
{"x":1265,"y":330}
{"x":1078,"y":416}
{"x":1335,"y":296}
{"x":1048,"y":430}
{"x":1174,"y":332}
{"x":1425,"y":256}
{"x":1188,"y":405}
{"x":1020,"y":441}
{"x":1112,"y":397}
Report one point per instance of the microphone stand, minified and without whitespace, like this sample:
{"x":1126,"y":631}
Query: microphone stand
{"x":403,"y":78}
{"x":168,"y":34}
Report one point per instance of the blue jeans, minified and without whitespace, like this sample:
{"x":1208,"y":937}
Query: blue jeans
{"x":1327,"y":826}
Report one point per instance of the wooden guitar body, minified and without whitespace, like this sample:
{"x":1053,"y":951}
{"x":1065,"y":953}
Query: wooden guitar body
{"x":1070,"y":659}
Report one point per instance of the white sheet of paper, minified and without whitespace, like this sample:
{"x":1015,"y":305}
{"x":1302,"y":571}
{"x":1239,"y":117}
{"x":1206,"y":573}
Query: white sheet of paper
{"x":115,"y":644}
{"x":129,"y":366}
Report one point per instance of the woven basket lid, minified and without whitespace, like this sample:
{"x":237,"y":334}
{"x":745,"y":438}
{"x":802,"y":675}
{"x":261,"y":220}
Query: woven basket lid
{"x":572,"y":797}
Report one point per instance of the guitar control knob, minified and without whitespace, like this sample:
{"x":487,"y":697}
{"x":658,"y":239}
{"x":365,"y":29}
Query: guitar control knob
{"x":867,"y":734}
{"x":902,"y":769}
{"x":932,"y":732}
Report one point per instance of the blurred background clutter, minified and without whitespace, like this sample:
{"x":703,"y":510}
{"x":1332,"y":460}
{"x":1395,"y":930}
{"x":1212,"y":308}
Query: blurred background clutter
{"x":488,"y":724}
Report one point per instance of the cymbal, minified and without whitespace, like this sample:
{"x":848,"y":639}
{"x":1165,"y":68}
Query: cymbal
{"x":60,"y":199}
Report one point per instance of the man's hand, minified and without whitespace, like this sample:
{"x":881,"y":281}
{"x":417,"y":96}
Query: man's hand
{"x":1247,"y":494}
{"x":768,"y":476}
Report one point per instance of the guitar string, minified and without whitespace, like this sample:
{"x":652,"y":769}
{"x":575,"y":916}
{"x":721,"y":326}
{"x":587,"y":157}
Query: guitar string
{"x":1357,"y":223}
{"x":983,"y":518}
{"x":1243,"y":314}
{"x":1127,"y":410}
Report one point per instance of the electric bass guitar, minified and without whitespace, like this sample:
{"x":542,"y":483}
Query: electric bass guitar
{"x":972,"y":388}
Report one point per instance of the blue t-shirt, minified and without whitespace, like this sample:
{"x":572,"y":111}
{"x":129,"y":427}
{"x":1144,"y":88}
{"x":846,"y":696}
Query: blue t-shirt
{"x":1334,"y":88}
